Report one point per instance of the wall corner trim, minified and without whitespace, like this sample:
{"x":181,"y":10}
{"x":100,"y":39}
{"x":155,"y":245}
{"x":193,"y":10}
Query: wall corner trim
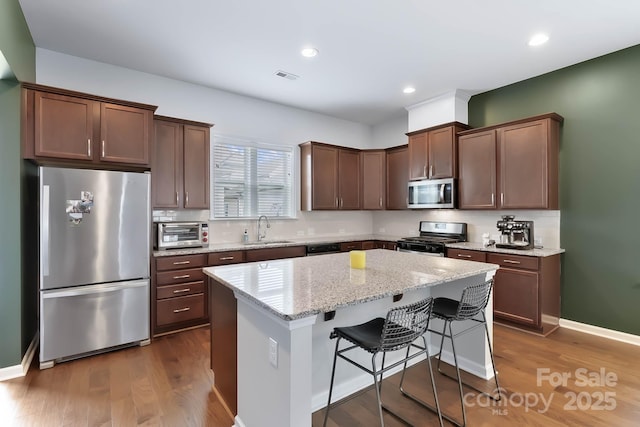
{"x":21,"y":370}
{"x":601,"y":332}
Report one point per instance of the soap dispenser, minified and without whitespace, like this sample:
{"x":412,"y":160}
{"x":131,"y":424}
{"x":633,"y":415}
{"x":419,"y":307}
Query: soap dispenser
{"x":245,"y":236}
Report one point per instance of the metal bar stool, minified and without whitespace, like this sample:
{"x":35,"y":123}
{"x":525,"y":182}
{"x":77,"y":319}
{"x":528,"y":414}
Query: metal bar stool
{"x":474,"y":300}
{"x":402,"y":326}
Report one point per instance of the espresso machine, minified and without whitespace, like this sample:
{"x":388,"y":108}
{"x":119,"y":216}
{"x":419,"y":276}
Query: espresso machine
{"x":515,"y":234}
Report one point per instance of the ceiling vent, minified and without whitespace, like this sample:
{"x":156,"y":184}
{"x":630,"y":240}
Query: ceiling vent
{"x":286,"y":75}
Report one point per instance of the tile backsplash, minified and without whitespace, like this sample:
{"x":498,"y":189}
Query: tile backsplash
{"x":405,"y":223}
{"x":392,"y":223}
{"x":307,"y":224}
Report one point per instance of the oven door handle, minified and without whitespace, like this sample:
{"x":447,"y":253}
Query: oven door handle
{"x":442,"y":193}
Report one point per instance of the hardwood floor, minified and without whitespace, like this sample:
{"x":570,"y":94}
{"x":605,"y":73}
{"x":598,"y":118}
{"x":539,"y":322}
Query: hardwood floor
{"x":164,"y":384}
{"x":168,"y":384}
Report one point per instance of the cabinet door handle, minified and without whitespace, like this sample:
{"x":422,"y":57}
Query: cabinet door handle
{"x":180,"y":310}
{"x":464,"y":256}
{"x":226,"y":258}
{"x":178,"y":291}
{"x":184,"y":276}
{"x":493,"y":199}
{"x":186,"y":199}
{"x":502,"y":198}
{"x":424,"y":170}
{"x":430,"y":171}
{"x":380,"y":201}
{"x":509,"y":261}
{"x":103,"y":148}
{"x":337,"y":204}
{"x":88,"y":148}
{"x":181,"y":262}
{"x":177,"y":199}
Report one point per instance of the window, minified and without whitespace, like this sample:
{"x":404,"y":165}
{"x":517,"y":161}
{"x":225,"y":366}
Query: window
{"x":250,"y":179}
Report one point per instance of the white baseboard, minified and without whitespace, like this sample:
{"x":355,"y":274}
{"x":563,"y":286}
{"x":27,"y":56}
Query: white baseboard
{"x":11,"y":372}
{"x":601,"y":332}
{"x":21,"y":370}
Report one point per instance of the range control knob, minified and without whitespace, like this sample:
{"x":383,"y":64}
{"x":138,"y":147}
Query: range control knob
{"x":204,"y":239}
{"x":205,"y":234}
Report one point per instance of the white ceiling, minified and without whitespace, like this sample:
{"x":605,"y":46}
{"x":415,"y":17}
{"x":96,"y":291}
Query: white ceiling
{"x":369,"y":49}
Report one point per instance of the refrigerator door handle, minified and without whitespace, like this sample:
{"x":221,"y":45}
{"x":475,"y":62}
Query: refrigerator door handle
{"x":44,"y":231}
{"x":94,"y":289}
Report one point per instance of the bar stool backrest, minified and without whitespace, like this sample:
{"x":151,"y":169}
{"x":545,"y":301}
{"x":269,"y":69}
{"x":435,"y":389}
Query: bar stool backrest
{"x":405,"y":324}
{"x":474,"y":299}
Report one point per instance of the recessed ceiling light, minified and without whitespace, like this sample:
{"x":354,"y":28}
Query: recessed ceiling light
{"x":409,"y":89}
{"x":309,"y":52}
{"x":538,"y":39}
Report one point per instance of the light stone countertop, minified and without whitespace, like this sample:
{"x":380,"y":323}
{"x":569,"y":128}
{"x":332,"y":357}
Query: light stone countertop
{"x":299,"y":287}
{"x":276,"y":243}
{"x":475,"y":246}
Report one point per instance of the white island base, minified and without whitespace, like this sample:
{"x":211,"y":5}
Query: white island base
{"x":284,"y":360}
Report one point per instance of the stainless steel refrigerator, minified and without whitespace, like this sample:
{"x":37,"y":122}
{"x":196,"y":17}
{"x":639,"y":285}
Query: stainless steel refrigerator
{"x":94,"y":261}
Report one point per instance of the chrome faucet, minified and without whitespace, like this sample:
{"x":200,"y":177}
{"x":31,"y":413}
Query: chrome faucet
{"x":262,"y":235}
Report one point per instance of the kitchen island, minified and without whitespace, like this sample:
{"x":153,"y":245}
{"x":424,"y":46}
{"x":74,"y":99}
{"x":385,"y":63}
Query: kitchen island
{"x":286,"y":309}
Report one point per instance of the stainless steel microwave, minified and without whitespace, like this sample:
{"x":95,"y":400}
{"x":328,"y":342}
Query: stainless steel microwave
{"x":432,"y":194}
{"x":176,"y":235}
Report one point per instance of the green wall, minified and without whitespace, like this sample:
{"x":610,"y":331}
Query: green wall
{"x":599,"y":179}
{"x":18,"y":49}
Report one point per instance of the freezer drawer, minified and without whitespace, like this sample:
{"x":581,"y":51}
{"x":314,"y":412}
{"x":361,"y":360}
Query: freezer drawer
{"x":84,"y":319}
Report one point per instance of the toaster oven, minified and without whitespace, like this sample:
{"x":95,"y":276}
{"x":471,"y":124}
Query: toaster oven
{"x":178,"y":235}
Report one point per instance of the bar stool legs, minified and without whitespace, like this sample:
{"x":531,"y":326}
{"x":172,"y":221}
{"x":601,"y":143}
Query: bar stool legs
{"x":458,"y":377}
{"x":473,"y":302}
{"x":399,"y":330}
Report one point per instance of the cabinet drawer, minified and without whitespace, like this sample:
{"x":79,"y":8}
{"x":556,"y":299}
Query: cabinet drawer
{"x":513,"y":261}
{"x":222,"y":258}
{"x":268,"y":254}
{"x":180,"y":309}
{"x":350,"y":246}
{"x":386,"y":245}
{"x":179,"y":276}
{"x":176,"y":262}
{"x":180,"y":290}
{"x":467,"y":255}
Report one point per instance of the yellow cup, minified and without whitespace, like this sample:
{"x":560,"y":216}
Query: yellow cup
{"x":358,"y":259}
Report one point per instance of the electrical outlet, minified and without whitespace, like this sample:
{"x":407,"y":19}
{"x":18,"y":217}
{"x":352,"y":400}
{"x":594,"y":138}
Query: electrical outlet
{"x":273,"y":352}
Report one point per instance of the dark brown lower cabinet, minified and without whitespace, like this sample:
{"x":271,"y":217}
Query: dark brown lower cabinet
{"x":267,"y":254}
{"x":350,"y":246}
{"x":179,"y":295}
{"x":383,"y":244}
{"x":224,"y":342}
{"x":526,"y":289}
{"x":515,"y":296}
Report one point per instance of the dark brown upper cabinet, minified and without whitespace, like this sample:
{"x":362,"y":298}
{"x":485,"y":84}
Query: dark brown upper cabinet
{"x":180,"y":166}
{"x":397,"y":177}
{"x":373,"y":179}
{"x":65,"y":127}
{"x":330,"y":177}
{"x":510,"y":166}
{"x":433,"y":151}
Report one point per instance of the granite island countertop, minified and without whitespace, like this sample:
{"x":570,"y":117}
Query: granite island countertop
{"x":300,"y":287}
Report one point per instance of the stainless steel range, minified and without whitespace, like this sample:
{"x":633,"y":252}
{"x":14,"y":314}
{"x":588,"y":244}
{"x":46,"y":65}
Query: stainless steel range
{"x":433,"y":237}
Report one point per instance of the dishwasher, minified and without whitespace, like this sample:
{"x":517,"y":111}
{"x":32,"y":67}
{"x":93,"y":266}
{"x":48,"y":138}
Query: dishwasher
{"x":323,"y":248}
